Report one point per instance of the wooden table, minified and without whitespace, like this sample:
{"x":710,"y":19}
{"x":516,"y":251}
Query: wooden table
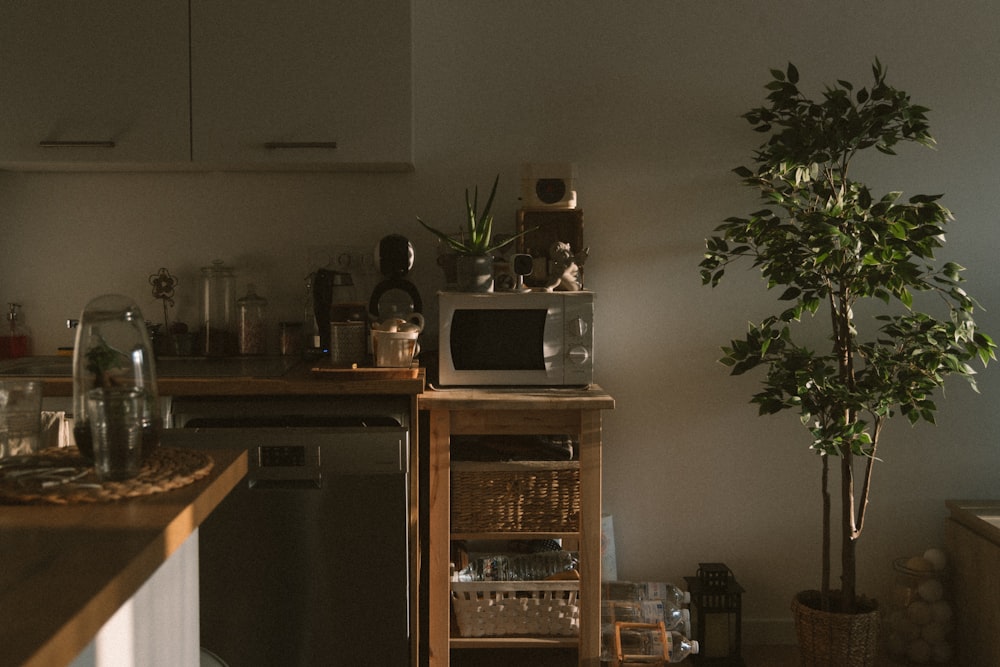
{"x":65,"y":570}
{"x":522,"y":412}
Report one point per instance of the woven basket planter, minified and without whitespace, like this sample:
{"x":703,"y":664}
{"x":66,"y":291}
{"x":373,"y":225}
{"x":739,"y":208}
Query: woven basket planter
{"x":528,"y":496}
{"x":831,"y":639}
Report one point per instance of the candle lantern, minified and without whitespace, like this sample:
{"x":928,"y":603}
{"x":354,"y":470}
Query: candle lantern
{"x":716,"y":615}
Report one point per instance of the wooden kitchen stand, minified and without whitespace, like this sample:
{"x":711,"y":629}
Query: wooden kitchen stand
{"x":540,"y":411}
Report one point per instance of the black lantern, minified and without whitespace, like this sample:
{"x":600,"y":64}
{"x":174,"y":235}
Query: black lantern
{"x":716,"y":615}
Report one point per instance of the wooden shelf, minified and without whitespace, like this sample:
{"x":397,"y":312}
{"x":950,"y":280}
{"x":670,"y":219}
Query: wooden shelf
{"x":515,"y":642}
{"x":506,"y":412}
{"x":568,"y":535}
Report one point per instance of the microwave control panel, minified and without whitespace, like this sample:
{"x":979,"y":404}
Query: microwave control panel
{"x":578,"y":339}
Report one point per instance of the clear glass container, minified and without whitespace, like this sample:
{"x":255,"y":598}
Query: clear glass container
{"x":218,"y":305}
{"x":920,"y":618}
{"x":113,"y":351}
{"x":251,"y":322}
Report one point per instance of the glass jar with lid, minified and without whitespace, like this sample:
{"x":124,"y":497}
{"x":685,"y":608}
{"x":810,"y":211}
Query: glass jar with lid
{"x":218,"y":304}
{"x":113,"y":351}
{"x":251,"y":323}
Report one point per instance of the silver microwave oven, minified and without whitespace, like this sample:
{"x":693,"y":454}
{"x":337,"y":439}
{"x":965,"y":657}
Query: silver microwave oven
{"x":516,"y":339}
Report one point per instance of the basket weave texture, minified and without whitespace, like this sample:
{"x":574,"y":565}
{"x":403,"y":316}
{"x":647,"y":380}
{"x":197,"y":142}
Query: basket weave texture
{"x":499,"y":609}
{"x":830,"y":639}
{"x":524,"y":496}
{"x":165,"y":469}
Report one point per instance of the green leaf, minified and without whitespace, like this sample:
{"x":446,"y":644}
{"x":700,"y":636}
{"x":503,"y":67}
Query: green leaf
{"x":793,"y":74}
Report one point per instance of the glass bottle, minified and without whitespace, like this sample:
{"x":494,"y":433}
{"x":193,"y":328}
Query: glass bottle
{"x":218,"y":302}
{"x":113,"y":351}
{"x":251,"y":322}
{"x":15,"y":342}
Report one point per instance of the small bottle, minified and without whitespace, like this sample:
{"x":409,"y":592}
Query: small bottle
{"x":680,"y":647}
{"x":16,"y":339}
{"x":251,"y":322}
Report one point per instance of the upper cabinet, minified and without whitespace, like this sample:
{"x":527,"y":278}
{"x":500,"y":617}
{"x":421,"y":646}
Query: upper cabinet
{"x":104,"y":83}
{"x":206,"y":84}
{"x":307,"y":82}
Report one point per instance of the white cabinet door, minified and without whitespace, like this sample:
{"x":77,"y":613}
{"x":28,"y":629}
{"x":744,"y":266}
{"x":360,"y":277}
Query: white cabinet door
{"x":301,"y":84}
{"x":103,"y":82}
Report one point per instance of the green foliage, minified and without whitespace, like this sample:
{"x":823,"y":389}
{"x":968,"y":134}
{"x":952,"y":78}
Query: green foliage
{"x":823,"y":238}
{"x":477,"y":237}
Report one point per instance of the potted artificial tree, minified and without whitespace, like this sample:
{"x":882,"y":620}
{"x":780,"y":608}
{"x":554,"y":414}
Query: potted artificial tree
{"x":828,"y":243}
{"x":475,"y":245}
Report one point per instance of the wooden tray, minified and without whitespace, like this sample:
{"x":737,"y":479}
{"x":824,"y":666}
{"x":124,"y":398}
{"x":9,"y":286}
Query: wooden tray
{"x":325,"y":368}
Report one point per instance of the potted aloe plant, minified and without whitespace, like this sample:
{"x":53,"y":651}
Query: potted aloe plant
{"x":475,"y":245}
{"x":828,"y":244}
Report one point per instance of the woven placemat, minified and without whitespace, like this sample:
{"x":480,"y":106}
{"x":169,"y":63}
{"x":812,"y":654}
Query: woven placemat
{"x":61,"y":476}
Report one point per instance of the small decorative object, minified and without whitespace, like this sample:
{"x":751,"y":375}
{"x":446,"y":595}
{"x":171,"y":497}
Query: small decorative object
{"x":163,"y":289}
{"x":554,"y":238}
{"x":716,"y":614}
{"x":173,"y":339}
{"x":475,"y":245}
{"x":113,"y":352}
{"x":827,"y":241}
{"x":566,"y":267}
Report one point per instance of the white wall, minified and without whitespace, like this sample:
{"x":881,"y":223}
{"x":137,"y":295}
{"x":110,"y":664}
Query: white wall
{"x":645,"y":97}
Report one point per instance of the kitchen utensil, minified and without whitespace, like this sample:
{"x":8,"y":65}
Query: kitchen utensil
{"x":395,"y":349}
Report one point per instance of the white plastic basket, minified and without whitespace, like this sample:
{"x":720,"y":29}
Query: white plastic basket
{"x":505,"y":608}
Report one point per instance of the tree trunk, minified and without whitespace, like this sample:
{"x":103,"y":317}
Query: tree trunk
{"x":825,"y":589}
{"x":848,"y":574}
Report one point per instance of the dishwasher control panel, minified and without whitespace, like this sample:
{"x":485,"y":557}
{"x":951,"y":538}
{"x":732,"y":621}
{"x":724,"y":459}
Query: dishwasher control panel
{"x":268,"y":456}
{"x":286,"y":465}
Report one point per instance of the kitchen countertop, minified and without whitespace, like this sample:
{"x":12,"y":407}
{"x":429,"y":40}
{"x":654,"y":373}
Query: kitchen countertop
{"x":66,"y":569}
{"x":237,"y":376}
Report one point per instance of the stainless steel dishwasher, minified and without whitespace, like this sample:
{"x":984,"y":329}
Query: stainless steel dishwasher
{"x":308,"y":561}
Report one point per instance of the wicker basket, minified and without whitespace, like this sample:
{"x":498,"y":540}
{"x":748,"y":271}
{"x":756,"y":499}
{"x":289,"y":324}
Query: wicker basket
{"x":829,"y":639}
{"x":509,"y":608}
{"x":525,"y":496}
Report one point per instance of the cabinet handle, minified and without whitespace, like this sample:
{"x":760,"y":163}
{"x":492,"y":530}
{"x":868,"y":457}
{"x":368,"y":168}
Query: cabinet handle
{"x":300,"y":144}
{"x":76,"y":144}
